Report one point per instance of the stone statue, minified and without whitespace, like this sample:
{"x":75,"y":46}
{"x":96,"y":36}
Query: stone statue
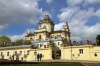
{"x":81,"y":43}
{"x":65,"y":41}
{"x":74,"y":42}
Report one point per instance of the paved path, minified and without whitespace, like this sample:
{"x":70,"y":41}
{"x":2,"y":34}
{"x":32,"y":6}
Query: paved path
{"x":84,"y":62}
{"x":60,"y":60}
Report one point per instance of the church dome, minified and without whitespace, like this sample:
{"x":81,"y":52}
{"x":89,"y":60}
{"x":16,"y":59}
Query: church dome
{"x":46,"y":20}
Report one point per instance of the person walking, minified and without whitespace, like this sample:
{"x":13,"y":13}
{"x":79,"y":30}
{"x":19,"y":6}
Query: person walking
{"x":38,"y":57}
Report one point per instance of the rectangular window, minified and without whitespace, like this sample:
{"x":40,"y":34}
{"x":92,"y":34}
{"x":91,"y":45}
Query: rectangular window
{"x":27,"y":52}
{"x":7,"y":53}
{"x":40,"y":45}
{"x":58,"y":43}
{"x":81,"y":51}
{"x":21,"y":58}
{"x":21,"y":52}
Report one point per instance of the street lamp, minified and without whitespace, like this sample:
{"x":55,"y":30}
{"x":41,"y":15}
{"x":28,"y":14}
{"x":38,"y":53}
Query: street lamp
{"x":71,"y":52}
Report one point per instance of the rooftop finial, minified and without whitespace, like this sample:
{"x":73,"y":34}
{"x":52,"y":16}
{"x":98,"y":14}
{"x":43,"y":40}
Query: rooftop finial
{"x":46,"y":17}
{"x":46,"y":13}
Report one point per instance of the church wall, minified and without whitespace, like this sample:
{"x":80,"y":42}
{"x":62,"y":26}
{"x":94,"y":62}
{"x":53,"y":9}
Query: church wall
{"x":46,"y":52}
{"x":55,"y":34}
{"x":43,"y":36}
{"x":12,"y":51}
{"x":88,"y":53}
{"x":93,"y":50}
{"x":48,"y":26}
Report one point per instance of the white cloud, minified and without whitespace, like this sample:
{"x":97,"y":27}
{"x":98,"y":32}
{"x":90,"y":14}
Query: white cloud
{"x":60,"y":25}
{"x":22,"y":36}
{"x":91,"y":2}
{"x":49,"y":1}
{"x":19,"y":11}
{"x":67,"y":13}
{"x":77,"y":19}
{"x":15,"y":37}
{"x":97,"y":13}
{"x":3,"y":26}
{"x":74,"y":2}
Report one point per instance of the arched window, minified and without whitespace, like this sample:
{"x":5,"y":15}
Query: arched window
{"x":39,"y":36}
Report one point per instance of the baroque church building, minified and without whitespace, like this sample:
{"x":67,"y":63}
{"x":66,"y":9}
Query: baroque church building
{"x":45,"y":33}
{"x":42,"y":37}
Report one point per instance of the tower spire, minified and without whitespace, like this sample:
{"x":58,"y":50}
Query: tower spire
{"x":67,"y":25}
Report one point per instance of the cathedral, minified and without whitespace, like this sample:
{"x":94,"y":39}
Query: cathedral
{"x":45,"y":33}
{"x":41,"y":39}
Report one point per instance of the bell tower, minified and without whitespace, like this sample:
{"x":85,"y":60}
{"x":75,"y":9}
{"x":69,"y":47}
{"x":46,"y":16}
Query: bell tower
{"x":47,"y":24}
{"x":66,"y":32}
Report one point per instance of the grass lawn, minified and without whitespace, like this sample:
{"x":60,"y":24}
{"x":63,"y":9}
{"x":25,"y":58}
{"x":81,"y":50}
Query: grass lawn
{"x":47,"y":64}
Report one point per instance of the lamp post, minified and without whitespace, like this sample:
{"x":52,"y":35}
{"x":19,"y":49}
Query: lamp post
{"x":35,"y":53}
{"x":71,"y":52}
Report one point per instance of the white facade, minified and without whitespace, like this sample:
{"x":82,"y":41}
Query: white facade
{"x":42,"y":43}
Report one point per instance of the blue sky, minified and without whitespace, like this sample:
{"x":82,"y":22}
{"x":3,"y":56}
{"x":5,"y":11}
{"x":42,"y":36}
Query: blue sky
{"x":83,"y":16}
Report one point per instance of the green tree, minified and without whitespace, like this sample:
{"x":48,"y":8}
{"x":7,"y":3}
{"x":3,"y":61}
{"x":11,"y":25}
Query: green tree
{"x":27,"y":42}
{"x":25,"y":56}
{"x":98,"y":40}
{"x":21,"y":42}
{"x":18,"y":42}
{"x":10,"y":57}
{"x":53,"y":44}
{"x":5,"y":41}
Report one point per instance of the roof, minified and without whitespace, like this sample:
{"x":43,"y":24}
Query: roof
{"x":15,"y":47}
{"x":59,"y":31}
